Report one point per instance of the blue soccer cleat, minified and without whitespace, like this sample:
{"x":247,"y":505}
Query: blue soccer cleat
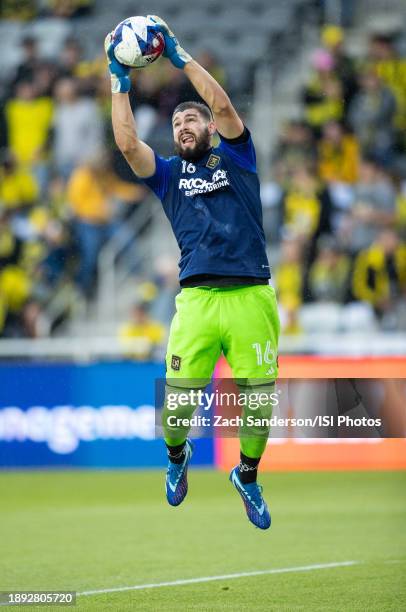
{"x":176,"y":477}
{"x":255,"y":506}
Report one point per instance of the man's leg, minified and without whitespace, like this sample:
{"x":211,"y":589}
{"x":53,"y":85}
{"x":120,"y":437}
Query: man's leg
{"x":193,"y":350}
{"x":250,"y":339}
{"x":254,"y":433}
{"x":175,"y":419}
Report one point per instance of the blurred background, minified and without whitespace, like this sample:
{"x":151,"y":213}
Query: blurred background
{"x":85,"y":250}
{"x":88,"y":264}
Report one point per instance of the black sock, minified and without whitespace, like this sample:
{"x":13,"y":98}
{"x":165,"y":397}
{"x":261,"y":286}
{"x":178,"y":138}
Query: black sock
{"x":175,"y":453}
{"x":248,"y":469}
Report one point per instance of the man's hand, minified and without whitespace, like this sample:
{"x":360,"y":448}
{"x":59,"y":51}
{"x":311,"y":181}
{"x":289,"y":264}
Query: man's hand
{"x":173,"y":51}
{"x":120,"y":74}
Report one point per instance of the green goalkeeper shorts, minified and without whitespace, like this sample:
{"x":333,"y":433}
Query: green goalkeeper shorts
{"x":240,"y":322}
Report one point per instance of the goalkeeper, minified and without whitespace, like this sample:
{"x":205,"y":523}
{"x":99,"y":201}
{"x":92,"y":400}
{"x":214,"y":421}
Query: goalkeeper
{"x":211,"y":198}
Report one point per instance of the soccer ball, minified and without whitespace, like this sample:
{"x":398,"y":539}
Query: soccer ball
{"x":137,"y":42}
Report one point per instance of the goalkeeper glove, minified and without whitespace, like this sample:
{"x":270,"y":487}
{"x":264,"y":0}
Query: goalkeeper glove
{"x":120,"y":74}
{"x":173,"y":51}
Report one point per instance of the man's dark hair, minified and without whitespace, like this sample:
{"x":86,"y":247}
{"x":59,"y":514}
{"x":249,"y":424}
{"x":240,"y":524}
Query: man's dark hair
{"x":201,"y":108}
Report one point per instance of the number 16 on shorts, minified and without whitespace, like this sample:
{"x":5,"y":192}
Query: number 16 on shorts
{"x":266,"y":355}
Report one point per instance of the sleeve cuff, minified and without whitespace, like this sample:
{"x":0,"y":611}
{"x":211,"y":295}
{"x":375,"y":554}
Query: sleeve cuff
{"x":242,"y":139}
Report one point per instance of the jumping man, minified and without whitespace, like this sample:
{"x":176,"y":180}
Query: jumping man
{"x":226,"y":305}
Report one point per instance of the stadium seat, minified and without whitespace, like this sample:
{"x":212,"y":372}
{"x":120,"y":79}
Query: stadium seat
{"x":163,"y":8}
{"x":358,"y":317}
{"x":10,"y":30}
{"x":10,"y":51}
{"x":50,"y":33}
{"x":91,"y":33}
{"x":321,"y":318}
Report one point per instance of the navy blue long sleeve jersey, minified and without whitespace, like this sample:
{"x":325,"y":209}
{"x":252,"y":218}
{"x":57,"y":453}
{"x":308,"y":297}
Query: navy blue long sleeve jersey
{"x":214,"y":208}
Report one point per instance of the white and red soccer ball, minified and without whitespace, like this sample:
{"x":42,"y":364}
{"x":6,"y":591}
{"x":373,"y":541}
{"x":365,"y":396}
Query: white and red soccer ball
{"x":137,"y":42}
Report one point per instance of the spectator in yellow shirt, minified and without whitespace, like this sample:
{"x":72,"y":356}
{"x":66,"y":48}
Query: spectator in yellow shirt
{"x":141,"y":334}
{"x":289,"y":284}
{"x":338,"y":155}
{"x":302,"y":212}
{"x":379,"y":275}
{"x":306,"y":209}
{"x":391,"y":68}
{"x":18,"y":187}
{"x":323,"y":95}
{"x":28,"y":122}
{"x":333,"y":39}
{"x":15,"y":287}
{"x":10,"y":245}
{"x":93,"y":191}
{"x":329,"y":274}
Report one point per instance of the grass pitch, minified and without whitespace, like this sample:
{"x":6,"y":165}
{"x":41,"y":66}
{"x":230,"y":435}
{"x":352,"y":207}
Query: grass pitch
{"x":98,"y":530}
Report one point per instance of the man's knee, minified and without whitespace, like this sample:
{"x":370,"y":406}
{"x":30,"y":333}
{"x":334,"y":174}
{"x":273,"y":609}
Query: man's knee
{"x":179,"y":405}
{"x":257,"y":409}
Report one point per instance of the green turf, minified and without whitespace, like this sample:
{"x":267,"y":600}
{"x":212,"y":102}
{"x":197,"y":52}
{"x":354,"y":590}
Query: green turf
{"x":95,"y":530}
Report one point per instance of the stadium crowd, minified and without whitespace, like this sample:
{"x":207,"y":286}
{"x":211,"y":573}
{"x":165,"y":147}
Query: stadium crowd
{"x":64,"y":187}
{"x":335,"y":211}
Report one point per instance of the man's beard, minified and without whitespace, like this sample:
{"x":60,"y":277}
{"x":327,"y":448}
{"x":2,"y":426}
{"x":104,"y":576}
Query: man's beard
{"x":202,"y":145}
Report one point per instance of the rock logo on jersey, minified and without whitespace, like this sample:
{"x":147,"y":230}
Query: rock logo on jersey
{"x":194,"y":186}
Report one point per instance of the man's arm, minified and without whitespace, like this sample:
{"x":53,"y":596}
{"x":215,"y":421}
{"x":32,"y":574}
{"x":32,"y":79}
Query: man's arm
{"x":138,"y":154}
{"x":225,"y":116}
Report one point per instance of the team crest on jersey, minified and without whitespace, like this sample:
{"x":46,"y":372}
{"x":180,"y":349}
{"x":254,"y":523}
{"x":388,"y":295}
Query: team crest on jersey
{"x":213,"y":161}
{"x":175,"y":363}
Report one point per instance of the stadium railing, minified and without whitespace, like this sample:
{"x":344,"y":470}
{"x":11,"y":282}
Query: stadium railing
{"x":115,"y":269}
{"x":109,"y":347}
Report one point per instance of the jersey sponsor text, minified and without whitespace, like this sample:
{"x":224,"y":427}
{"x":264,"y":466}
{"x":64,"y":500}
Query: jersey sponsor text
{"x":193,"y":186}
